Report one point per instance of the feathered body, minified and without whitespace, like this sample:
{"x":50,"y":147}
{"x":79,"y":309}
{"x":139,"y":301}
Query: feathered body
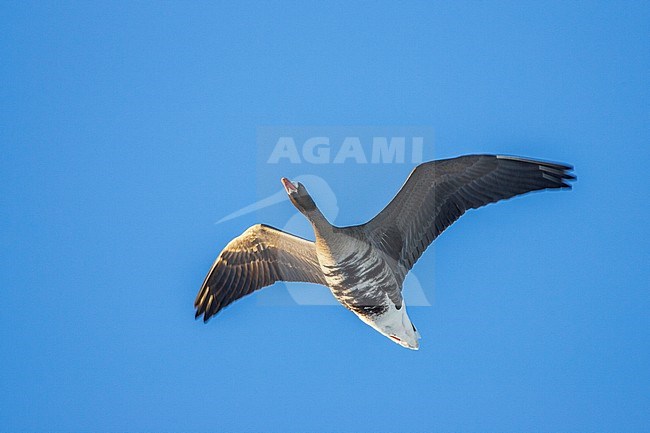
{"x":362,"y":278}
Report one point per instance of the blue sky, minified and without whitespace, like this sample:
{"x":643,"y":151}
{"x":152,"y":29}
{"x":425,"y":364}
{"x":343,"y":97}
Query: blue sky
{"x":129,"y":129}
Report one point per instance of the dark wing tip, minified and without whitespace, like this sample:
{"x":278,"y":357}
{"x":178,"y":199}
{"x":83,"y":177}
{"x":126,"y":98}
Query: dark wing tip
{"x":205,"y":304}
{"x":557,"y":173}
{"x":207,"y":311}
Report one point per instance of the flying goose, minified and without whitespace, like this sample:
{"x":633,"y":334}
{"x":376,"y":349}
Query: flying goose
{"x":364,"y":266}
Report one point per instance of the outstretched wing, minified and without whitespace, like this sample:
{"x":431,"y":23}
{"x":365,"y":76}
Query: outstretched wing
{"x":437,"y":193}
{"x":257,"y":258}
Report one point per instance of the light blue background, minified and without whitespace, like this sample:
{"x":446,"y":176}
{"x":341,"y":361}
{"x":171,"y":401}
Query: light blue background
{"x":127,"y":130}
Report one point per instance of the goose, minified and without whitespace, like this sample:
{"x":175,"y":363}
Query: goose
{"x":364,"y":266}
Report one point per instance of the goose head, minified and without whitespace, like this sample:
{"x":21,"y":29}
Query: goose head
{"x":299,"y":196}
